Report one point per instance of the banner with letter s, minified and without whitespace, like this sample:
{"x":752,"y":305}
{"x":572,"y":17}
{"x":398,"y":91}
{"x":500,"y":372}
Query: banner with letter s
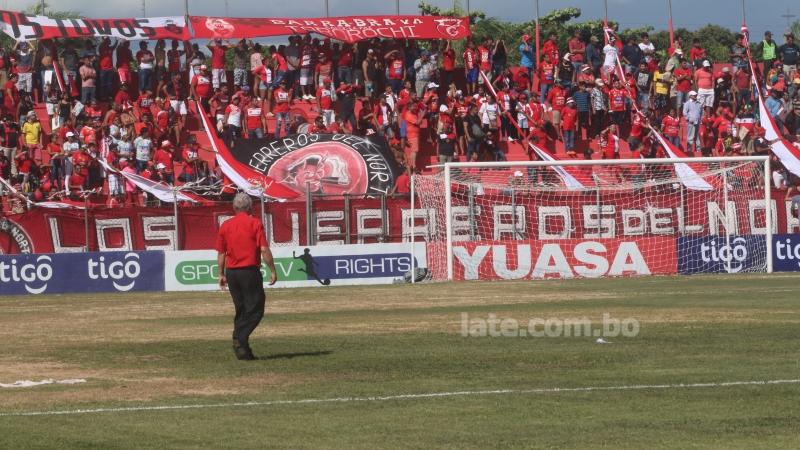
{"x":21,"y":26}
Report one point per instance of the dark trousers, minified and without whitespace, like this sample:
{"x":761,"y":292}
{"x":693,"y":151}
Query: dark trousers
{"x":246,"y":286}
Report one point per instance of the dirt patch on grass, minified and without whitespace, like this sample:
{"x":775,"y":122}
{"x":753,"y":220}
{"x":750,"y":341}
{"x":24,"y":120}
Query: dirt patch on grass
{"x":104,"y":388}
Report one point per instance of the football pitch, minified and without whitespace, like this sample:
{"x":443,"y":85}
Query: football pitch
{"x":682,"y":362}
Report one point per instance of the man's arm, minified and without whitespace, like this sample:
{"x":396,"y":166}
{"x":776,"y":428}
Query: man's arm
{"x":266,"y":256}
{"x":223,"y":282}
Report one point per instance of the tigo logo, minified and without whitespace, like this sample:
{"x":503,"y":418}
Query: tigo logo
{"x":732,"y":256}
{"x":31,"y":274}
{"x":122,"y":273}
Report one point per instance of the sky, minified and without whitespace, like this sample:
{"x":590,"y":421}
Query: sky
{"x":761,"y":15}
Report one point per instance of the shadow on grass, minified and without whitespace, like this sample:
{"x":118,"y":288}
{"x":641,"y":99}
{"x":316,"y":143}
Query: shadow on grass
{"x":297,"y":354}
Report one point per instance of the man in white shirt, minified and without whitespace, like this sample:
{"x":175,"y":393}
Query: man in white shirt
{"x":144,"y":150}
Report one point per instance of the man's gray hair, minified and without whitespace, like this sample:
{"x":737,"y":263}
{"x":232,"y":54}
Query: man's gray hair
{"x":242,"y":202}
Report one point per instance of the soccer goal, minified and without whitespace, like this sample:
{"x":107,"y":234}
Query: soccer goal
{"x":596,"y":218}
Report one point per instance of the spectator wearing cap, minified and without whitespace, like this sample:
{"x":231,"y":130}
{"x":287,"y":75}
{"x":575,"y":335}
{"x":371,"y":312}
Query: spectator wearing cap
{"x":164,"y":158}
{"x":789,"y":54}
{"x":693,"y":113}
{"x":201,"y":87}
{"x":594,"y":54}
{"x":446,"y":133}
{"x":369,"y":70}
{"x":704,"y":81}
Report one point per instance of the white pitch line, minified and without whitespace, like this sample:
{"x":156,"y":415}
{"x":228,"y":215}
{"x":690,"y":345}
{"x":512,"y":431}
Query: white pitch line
{"x":556,"y":390}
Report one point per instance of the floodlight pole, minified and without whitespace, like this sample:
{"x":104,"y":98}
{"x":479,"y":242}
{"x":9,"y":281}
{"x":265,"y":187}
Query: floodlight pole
{"x":397,"y":7}
{"x":327,"y":8}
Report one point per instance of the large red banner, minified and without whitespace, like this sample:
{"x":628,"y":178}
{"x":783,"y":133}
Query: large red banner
{"x":348,"y":29}
{"x":22,"y":26}
{"x":568,"y":218}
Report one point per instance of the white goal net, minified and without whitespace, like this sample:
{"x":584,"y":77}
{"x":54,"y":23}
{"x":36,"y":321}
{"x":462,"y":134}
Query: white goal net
{"x":559,"y":219}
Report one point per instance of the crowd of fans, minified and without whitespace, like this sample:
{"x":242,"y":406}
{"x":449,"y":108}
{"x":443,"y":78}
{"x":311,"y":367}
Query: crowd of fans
{"x":134,"y":110}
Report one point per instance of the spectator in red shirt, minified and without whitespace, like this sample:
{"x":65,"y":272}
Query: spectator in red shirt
{"x":697,"y":54}
{"x":616,"y":103}
{"x":218,"y":49}
{"x":281,"y":100}
{"x":569,"y":119}
{"x":255,"y":120}
{"x":201,"y":87}
{"x":550,"y":48}
{"x":324,"y":97}
{"x":470,"y":67}
{"x":241,"y":248}
{"x":164,"y":162}
{"x":448,"y":64}
{"x":547,"y":76}
{"x":683,"y":79}
{"x":741,"y":87}
{"x":395,"y":66}
{"x":106,"y":66}
{"x":671,"y":127}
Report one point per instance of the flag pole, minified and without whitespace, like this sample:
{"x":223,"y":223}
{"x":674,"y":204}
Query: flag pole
{"x":671,"y":29}
{"x":537,"y":31}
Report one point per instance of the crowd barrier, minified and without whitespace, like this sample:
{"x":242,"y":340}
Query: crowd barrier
{"x":196,"y":270}
{"x":363,"y":264}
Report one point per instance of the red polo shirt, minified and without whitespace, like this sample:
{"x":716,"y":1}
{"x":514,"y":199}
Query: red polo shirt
{"x":241,"y":239}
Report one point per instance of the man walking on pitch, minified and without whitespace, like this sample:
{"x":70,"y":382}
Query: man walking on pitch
{"x":241,"y":247}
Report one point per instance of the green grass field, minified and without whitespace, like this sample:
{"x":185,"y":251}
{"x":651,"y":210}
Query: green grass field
{"x":161,"y":374}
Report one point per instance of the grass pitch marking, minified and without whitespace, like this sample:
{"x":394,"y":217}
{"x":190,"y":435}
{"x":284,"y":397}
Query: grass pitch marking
{"x":634,"y":387}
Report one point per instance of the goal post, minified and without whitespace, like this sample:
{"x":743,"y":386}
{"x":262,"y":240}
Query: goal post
{"x":591,"y":218}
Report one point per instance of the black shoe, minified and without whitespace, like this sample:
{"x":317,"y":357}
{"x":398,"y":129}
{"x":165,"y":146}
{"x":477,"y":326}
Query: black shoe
{"x":243,"y":353}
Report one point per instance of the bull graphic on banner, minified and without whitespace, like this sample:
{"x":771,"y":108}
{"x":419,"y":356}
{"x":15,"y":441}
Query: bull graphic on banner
{"x":329,"y":164}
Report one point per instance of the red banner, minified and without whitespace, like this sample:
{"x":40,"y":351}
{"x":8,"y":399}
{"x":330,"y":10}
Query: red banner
{"x":548,"y":218}
{"x":47,"y":230}
{"x":26,"y":27}
{"x":348,"y":29}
